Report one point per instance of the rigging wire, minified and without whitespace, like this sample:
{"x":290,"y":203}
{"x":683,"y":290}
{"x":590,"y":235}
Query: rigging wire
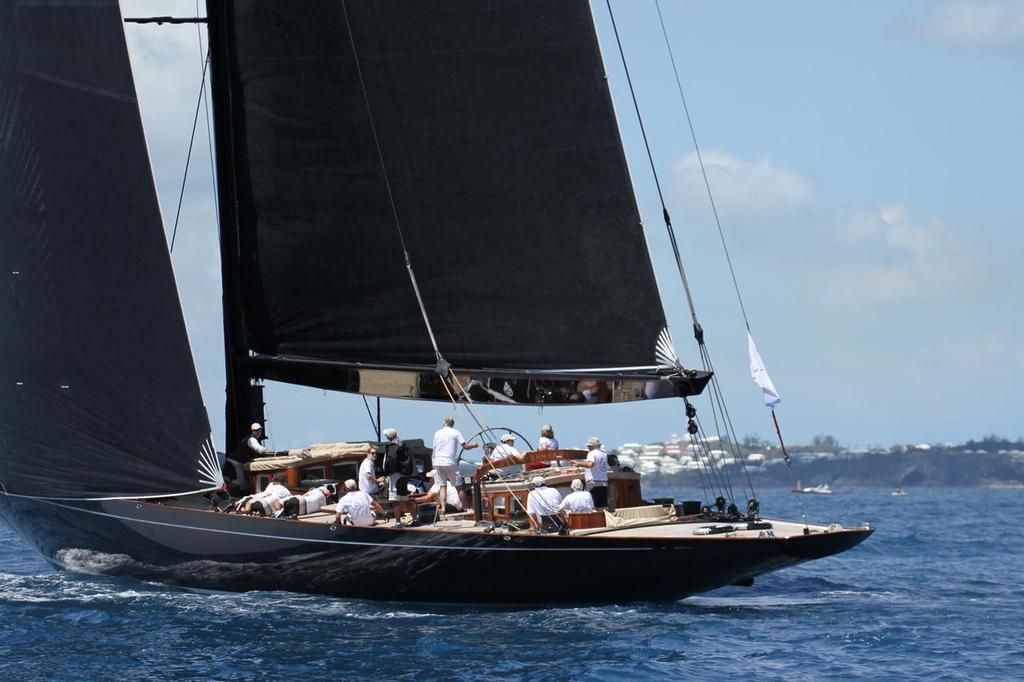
{"x":188,"y":157}
{"x":441,"y":364}
{"x":374,"y":423}
{"x":725,"y":247}
{"x":469,"y":405}
{"x":206,"y":110}
{"x":700,"y":160}
{"x":698,"y":331}
{"x":443,"y":367}
{"x":718,"y":396}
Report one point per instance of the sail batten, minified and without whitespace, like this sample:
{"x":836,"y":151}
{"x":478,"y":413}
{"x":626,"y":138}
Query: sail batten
{"x":506,"y":173}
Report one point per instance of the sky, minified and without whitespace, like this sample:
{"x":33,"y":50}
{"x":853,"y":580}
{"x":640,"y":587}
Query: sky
{"x":866,"y":163}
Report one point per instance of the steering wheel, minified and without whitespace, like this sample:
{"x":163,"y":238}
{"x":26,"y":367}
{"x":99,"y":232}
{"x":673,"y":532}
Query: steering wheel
{"x":491,"y":431}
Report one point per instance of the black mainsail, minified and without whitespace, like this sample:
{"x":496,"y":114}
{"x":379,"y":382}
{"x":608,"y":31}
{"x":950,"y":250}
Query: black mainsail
{"x":508,"y":189}
{"x":98,"y":390}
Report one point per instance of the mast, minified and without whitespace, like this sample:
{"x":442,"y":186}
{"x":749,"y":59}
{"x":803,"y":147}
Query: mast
{"x":237,"y":405}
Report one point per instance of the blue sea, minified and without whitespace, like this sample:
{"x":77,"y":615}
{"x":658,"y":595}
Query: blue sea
{"x":935,"y":594}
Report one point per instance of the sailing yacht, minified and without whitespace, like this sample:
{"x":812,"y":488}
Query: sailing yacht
{"x":374,"y":159}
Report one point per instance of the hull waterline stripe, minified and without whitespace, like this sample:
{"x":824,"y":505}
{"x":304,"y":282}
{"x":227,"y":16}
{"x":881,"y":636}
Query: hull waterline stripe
{"x":356,"y":542}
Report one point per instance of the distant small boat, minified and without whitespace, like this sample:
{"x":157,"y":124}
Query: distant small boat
{"x":821,"y":489}
{"x":898,"y":491}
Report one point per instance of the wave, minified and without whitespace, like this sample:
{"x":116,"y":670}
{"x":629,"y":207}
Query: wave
{"x":91,"y":562}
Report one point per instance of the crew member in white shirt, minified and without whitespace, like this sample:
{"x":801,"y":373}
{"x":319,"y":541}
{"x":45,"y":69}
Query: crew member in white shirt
{"x":447,"y":442}
{"x":309,"y":502}
{"x":356,"y":507}
{"x":596,"y":473}
{"x":369,"y":482}
{"x":541,"y":502}
{"x":504,"y":450}
{"x":578,"y":501}
{"x":270,"y":501}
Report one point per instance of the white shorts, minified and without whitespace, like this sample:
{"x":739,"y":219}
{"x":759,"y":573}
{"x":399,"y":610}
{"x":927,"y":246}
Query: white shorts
{"x":447,"y":474}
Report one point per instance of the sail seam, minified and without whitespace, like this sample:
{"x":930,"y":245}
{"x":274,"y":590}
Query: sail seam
{"x":78,"y":86}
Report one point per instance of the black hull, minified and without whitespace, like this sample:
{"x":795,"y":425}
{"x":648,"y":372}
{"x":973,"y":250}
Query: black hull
{"x":199,"y":549}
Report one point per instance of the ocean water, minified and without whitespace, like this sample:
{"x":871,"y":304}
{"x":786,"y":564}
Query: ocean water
{"x":934,"y":594}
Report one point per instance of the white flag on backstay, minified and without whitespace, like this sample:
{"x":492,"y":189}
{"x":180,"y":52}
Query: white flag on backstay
{"x":760,"y":375}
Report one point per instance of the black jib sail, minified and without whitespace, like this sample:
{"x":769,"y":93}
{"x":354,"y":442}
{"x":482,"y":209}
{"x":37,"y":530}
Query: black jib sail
{"x":98,"y":391}
{"x":478,"y":137}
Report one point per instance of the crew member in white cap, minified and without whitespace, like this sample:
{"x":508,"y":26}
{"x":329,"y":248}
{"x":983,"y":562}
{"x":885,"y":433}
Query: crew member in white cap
{"x":397,"y":464}
{"x":547,"y":438}
{"x":447,"y":441}
{"x":578,"y":501}
{"x":251,"y":446}
{"x":542,"y":502}
{"x":546,"y":441}
{"x":506,"y":449}
{"x":356,"y":508}
{"x":452,"y":498}
{"x":596,"y":473}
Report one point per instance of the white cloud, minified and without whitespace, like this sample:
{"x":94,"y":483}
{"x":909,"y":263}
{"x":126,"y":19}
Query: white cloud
{"x":975,"y":354}
{"x":970,"y":24}
{"x":740,"y":187}
{"x":884,"y":257}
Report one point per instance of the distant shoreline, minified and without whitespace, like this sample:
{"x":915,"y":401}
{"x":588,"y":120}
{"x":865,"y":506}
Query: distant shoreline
{"x":914,"y":469}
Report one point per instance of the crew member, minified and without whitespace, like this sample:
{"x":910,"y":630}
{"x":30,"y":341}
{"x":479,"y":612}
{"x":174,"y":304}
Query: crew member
{"x":397,"y":464}
{"x":596,"y":473}
{"x":542,"y":504}
{"x":547,"y":438}
{"x":369,"y":483}
{"x":309,"y":502}
{"x":248,"y":449}
{"x":251,"y":446}
{"x":453,"y":499}
{"x":547,"y":441}
{"x":578,"y":501}
{"x":447,"y":441}
{"x":506,"y":449}
{"x":357,"y":508}
{"x":270,"y":501}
